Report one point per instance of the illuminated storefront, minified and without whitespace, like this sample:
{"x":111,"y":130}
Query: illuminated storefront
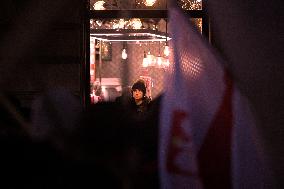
{"x":130,"y":40}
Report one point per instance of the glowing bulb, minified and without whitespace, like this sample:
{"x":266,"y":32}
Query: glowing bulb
{"x":124,"y":54}
{"x":99,"y":5}
{"x":159,"y":61}
{"x":167,"y":50}
{"x":145,"y":62}
{"x":150,"y":59}
{"x":149,"y":2}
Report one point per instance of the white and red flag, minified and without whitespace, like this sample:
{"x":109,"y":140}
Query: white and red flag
{"x":208,"y":137}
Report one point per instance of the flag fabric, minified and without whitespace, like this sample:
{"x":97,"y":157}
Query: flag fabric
{"x":207,"y":132}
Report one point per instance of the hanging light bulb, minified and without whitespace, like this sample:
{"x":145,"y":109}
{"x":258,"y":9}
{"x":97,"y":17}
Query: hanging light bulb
{"x":145,"y":62}
{"x":167,"y":50}
{"x":149,"y":57}
{"x":149,"y":3}
{"x":123,"y":54}
{"x":159,"y":61}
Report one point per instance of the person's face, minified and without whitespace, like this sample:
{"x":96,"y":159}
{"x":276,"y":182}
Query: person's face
{"x":137,"y":94}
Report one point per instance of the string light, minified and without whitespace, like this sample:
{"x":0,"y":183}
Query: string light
{"x":184,"y":4}
{"x":190,"y":4}
{"x":149,"y":3}
{"x":136,"y":23}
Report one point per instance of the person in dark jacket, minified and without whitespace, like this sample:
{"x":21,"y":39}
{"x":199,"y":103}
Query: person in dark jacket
{"x":140,"y":102}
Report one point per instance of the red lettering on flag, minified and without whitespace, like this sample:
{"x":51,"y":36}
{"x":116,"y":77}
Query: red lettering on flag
{"x":175,"y":144}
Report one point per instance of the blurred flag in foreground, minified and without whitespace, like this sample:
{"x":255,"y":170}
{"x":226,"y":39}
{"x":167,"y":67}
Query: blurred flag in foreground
{"x":208,"y":137}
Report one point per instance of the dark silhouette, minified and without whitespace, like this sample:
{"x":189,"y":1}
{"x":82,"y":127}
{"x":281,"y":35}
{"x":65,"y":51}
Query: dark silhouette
{"x":102,"y":146}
